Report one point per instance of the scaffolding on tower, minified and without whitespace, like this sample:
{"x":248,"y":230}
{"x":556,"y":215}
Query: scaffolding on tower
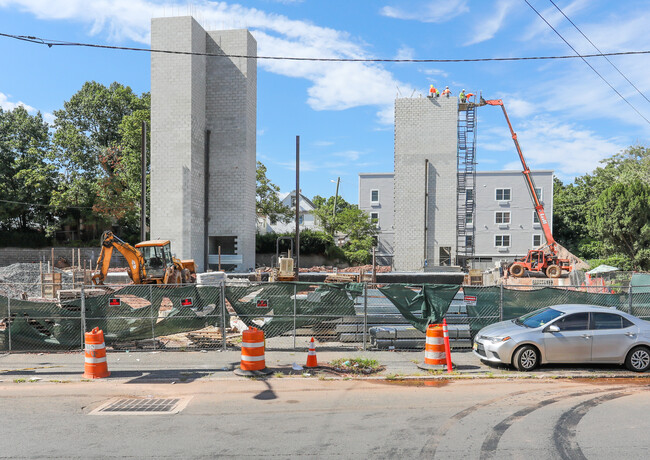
{"x":466,"y":173}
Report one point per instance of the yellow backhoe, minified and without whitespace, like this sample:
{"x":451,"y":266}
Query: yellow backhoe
{"x":149,"y":262}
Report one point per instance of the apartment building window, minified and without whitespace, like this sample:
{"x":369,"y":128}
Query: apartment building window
{"x":537,"y":240}
{"x":374,"y":218}
{"x":503,"y":194}
{"x":301,"y":220}
{"x":469,"y":241}
{"x":469,"y":218}
{"x":535,"y":218}
{"x":502,"y":217}
{"x":374,"y":196}
{"x":293,"y":201}
{"x":502,"y":241}
{"x":538,"y":192}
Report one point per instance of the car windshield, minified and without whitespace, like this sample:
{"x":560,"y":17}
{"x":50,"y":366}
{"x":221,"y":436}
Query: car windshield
{"x":538,"y":318}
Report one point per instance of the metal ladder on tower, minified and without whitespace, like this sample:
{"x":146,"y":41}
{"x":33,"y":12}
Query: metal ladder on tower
{"x":466,"y":182}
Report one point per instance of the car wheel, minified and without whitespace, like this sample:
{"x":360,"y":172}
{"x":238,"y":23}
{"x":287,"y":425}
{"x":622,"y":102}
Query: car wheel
{"x":553,"y":271}
{"x":638,"y":359}
{"x":517,"y":270}
{"x":525,"y":358}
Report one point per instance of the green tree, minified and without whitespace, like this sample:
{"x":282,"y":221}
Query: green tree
{"x":620,"y":217}
{"x":25,"y":174}
{"x":268,"y":201}
{"x":350,"y":221}
{"x":91,"y":155}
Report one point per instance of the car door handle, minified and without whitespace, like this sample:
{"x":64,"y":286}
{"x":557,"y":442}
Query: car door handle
{"x":586,"y":336}
{"x":630,"y":334}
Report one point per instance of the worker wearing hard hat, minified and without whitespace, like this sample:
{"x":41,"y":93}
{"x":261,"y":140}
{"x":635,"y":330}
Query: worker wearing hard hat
{"x":446,"y":92}
{"x":462,"y":97}
{"x":432,"y":91}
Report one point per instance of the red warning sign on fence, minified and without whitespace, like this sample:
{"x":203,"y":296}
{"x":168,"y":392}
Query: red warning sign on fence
{"x":187,"y":302}
{"x":114,"y":302}
{"x":262,"y":303}
{"x":470,"y":299}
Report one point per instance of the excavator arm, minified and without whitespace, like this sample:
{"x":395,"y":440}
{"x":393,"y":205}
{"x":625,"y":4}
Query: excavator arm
{"x":539,"y":208}
{"x":133,"y":257}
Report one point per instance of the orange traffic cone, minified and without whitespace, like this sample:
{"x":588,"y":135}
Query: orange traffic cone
{"x":311,"y":355}
{"x":95,"y":366}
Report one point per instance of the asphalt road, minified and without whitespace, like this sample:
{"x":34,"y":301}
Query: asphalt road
{"x":292,"y":417}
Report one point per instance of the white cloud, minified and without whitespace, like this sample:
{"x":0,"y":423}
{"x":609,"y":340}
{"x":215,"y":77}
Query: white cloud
{"x":322,"y":143}
{"x":547,"y":143}
{"x":335,"y":86}
{"x":6,"y":104}
{"x":440,"y":72}
{"x":352,"y":155}
{"x":431,"y":11}
{"x":405,"y":52}
{"x":487,"y":28}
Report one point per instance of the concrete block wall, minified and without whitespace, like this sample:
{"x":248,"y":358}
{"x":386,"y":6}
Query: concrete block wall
{"x":190,"y":94}
{"x":177,"y":135}
{"x":231,"y":108}
{"x":425,"y":129}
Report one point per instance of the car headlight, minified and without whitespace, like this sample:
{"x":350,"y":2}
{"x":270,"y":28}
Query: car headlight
{"x":498,"y":339}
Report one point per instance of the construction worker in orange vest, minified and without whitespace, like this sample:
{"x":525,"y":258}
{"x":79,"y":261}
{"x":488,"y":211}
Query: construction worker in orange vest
{"x":469,"y":95}
{"x":446,"y":92}
{"x":432,"y":91}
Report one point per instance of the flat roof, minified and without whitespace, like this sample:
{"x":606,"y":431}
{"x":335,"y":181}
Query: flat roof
{"x":513,"y":171}
{"x":378,"y":174}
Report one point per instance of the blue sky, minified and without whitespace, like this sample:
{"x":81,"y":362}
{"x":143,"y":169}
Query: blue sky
{"x":566,"y":118}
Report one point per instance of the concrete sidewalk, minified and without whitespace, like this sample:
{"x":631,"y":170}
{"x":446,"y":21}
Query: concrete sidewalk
{"x":182,"y":367}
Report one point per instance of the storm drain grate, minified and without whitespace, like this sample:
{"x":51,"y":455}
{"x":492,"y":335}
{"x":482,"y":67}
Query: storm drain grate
{"x":142,"y":406}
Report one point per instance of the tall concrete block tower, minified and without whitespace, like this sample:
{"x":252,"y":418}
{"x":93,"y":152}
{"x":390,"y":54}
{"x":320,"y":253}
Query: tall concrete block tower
{"x":203,"y":124}
{"x":425,"y":182}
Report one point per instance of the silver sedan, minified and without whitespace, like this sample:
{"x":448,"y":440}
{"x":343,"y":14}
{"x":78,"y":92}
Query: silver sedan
{"x":567,"y":334}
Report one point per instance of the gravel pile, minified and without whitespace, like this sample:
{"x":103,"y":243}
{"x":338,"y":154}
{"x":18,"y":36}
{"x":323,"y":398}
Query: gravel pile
{"x":18,"y":279}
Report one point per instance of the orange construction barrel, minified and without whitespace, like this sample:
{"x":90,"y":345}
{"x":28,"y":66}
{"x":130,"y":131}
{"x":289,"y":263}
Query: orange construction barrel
{"x":434,"y":348}
{"x":95,"y":351}
{"x":252,"y":353}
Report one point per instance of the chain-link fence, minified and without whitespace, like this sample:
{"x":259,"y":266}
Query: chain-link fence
{"x":338,"y":316}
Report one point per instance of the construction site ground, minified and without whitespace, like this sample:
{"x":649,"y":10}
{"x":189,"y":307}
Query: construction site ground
{"x":176,"y":367}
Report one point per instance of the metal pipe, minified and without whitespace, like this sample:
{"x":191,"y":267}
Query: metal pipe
{"x":295,"y":301}
{"x":297,"y":268}
{"x":426,"y":209}
{"x":224,"y":344}
{"x":10,"y":321}
{"x":83,"y":315}
{"x":153,"y":319}
{"x":143,"y":184}
{"x":206,"y":200}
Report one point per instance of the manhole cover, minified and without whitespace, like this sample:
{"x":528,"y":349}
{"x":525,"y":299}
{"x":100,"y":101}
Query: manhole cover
{"x":142,"y":406}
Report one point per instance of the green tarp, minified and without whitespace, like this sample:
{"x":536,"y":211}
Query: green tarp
{"x":421,"y":305}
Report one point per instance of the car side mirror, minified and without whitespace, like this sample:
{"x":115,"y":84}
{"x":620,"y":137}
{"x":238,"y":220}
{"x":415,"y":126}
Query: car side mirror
{"x":552,"y":328}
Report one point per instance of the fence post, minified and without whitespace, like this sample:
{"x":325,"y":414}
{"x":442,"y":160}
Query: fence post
{"x":83,"y":314}
{"x":224,"y":345}
{"x":9,"y":319}
{"x":295,"y":308}
{"x":153,"y":319}
{"x":501,"y":303}
{"x":629,"y":300}
{"x":365,"y":314}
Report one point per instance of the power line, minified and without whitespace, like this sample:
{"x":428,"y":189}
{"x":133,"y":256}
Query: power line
{"x":586,"y":62}
{"x":52,"y":43}
{"x":46,"y":205}
{"x":597,"y":49}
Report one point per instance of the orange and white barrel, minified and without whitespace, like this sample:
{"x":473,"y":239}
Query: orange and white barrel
{"x":95,"y":352}
{"x":252,"y":350}
{"x":434,"y":348}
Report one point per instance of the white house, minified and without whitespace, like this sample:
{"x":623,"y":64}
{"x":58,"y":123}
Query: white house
{"x":307,"y":217}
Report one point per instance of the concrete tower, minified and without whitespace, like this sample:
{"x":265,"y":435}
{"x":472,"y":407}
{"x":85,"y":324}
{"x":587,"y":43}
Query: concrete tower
{"x":425,"y":182}
{"x":191,"y":96}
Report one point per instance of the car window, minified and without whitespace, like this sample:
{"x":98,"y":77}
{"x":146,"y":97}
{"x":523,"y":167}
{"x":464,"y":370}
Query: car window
{"x":575,"y":322}
{"x":609,"y":321}
{"x":538,"y":318}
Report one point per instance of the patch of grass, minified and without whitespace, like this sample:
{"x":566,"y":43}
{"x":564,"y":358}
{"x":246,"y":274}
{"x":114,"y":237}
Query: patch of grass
{"x":357,"y":365}
{"x":60,"y":381}
{"x":489,"y":375}
{"x":86,"y":380}
{"x":20,"y":380}
{"x":435,"y":371}
{"x":278,"y":375}
{"x":415,"y":361}
{"x":393,"y":376}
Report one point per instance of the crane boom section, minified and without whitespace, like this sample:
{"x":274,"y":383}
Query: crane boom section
{"x":539,"y":208}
